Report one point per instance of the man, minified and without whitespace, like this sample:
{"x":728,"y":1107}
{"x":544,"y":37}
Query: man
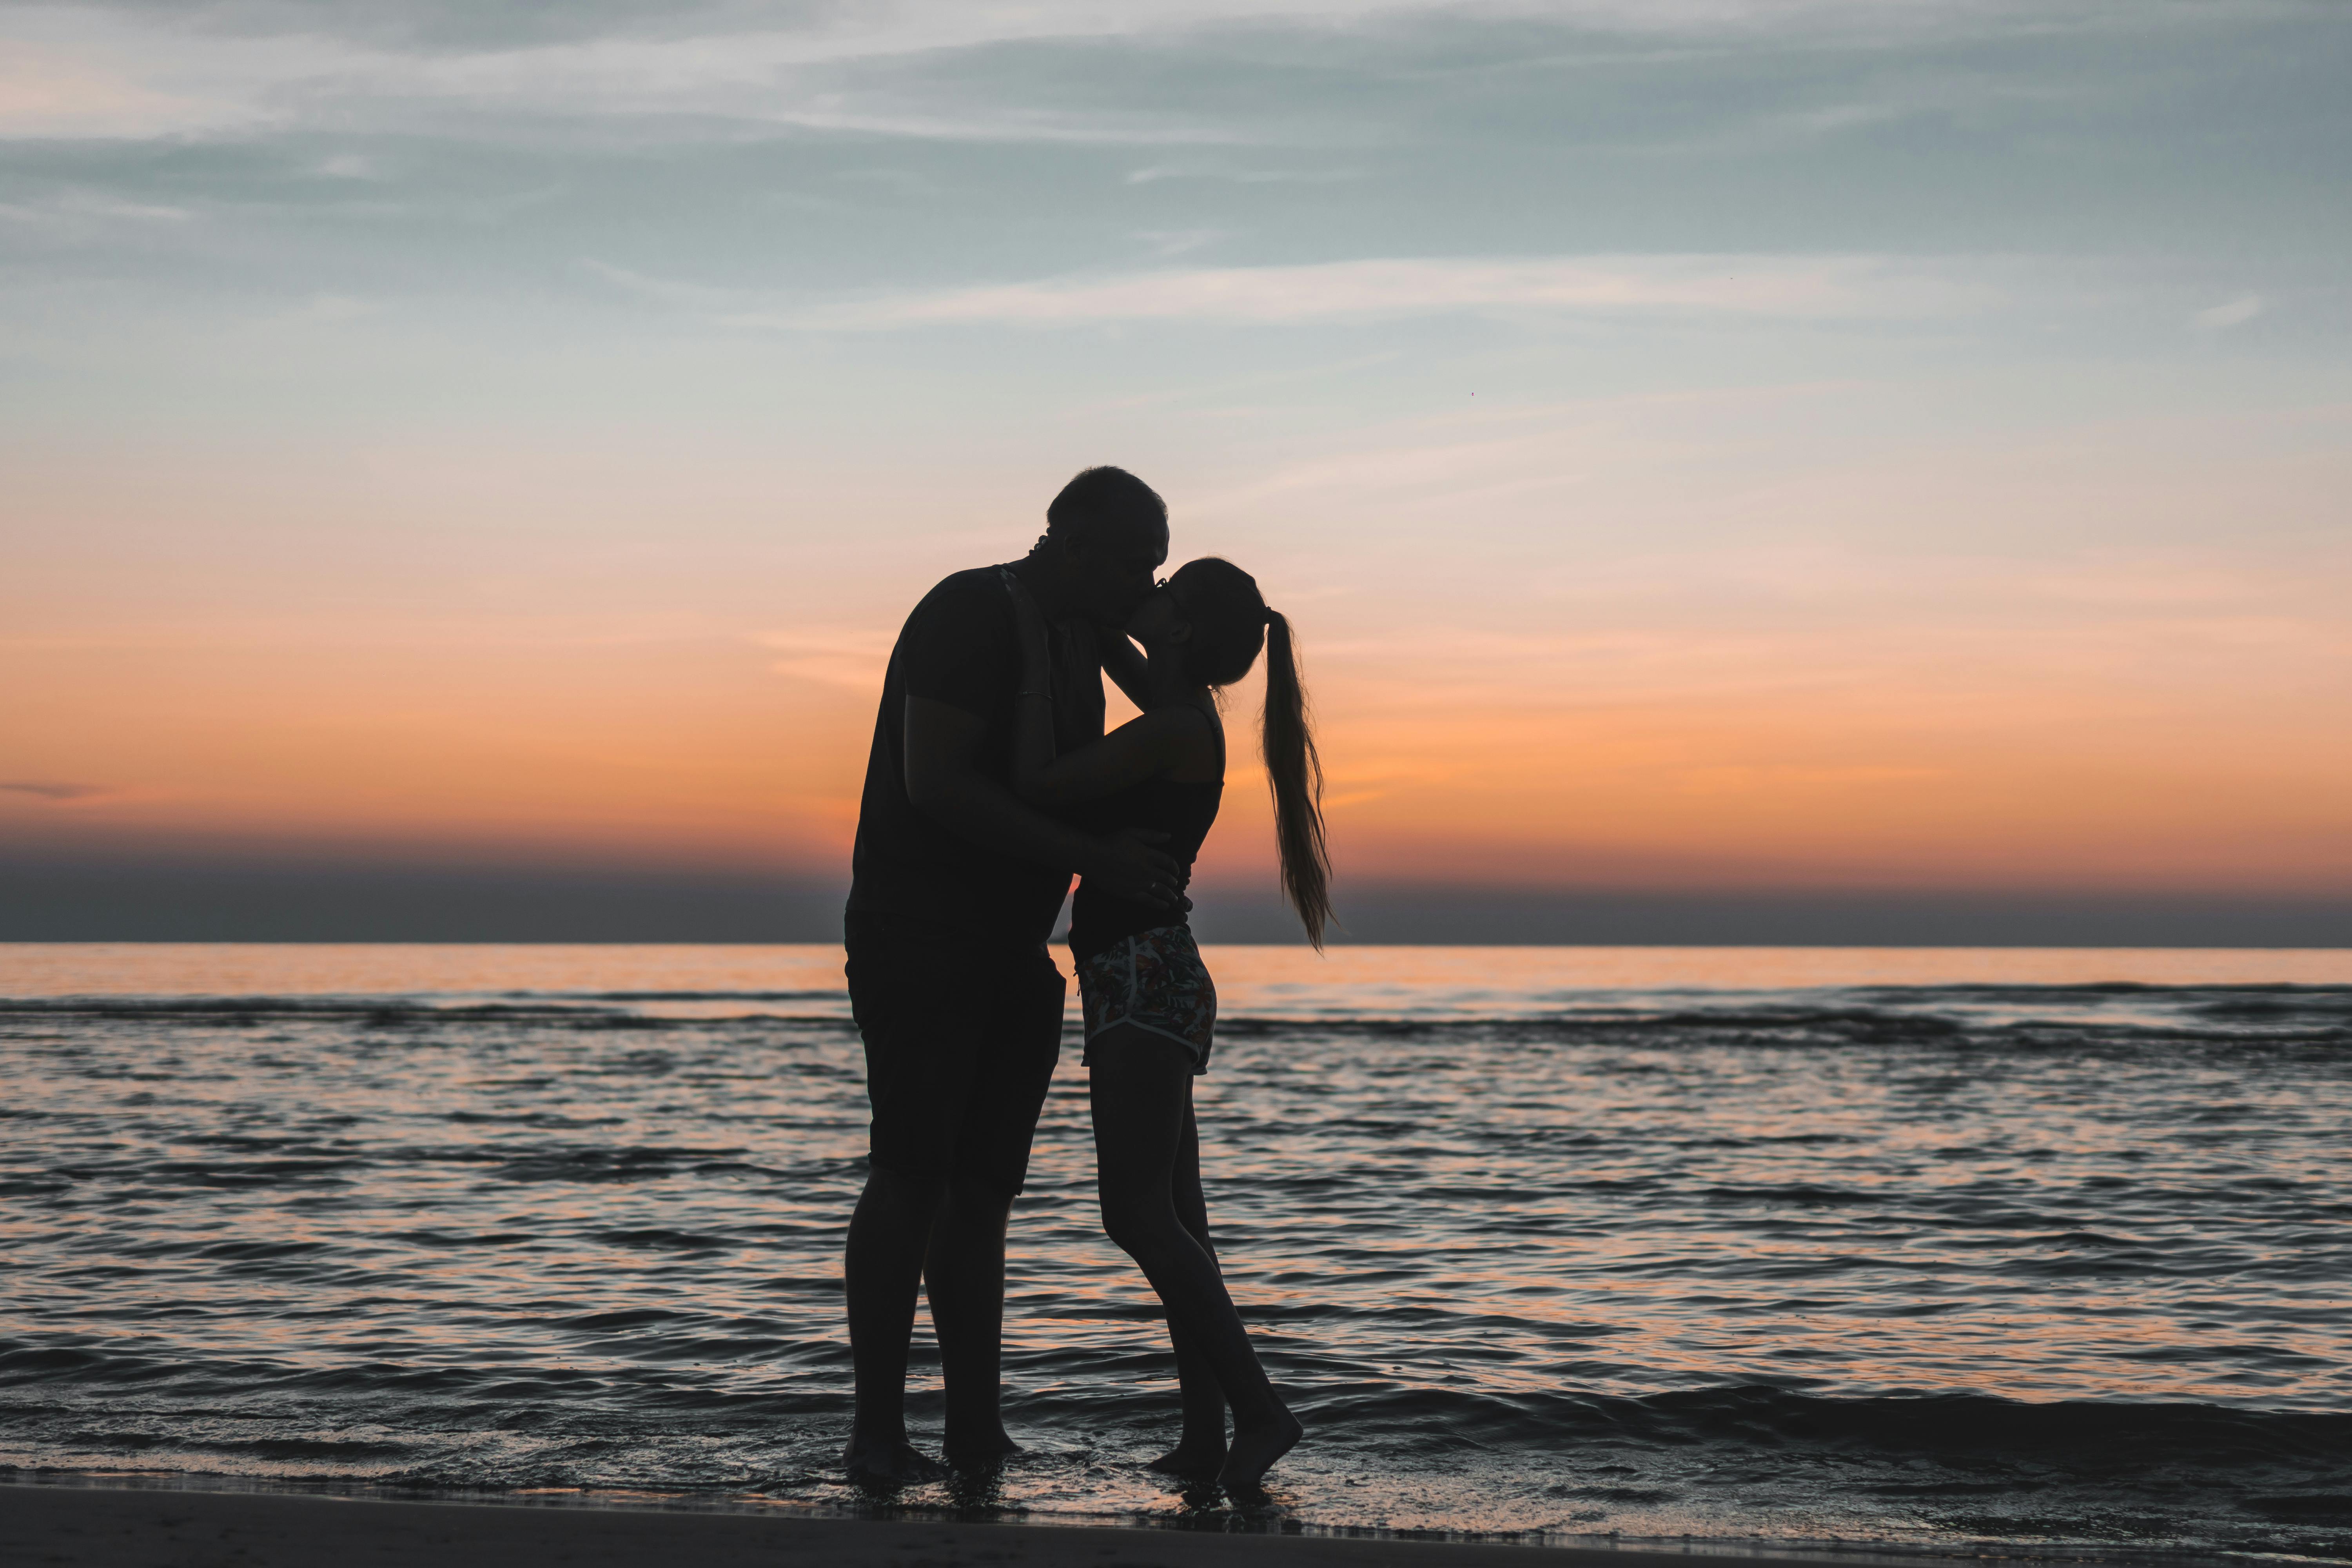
{"x":956,"y":887}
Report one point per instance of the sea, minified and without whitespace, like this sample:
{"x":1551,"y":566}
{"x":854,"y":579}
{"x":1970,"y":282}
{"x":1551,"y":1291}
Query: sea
{"x":2010,"y":1252}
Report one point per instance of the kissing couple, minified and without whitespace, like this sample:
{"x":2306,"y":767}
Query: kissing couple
{"x":990,"y":781}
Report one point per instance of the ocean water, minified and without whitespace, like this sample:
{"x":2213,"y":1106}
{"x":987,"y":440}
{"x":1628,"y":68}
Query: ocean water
{"x":2023,"y":1251}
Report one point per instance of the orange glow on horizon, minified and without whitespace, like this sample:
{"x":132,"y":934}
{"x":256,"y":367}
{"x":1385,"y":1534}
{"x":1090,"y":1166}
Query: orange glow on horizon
{"x":1528,"y":709}
{"x":697,"y":752}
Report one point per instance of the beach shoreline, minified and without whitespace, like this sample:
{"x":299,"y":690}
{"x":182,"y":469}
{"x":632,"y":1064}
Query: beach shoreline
{"x":140,"y":1522}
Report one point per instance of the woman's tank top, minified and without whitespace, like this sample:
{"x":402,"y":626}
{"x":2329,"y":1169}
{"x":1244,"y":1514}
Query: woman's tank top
{"x":1184,"y":812}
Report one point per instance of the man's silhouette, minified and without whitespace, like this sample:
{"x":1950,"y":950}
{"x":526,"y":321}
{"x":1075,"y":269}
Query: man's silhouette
{"x":956,"y":889}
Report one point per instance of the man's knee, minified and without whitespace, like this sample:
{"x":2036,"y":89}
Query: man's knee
{"x":914,"y":1195}
{"x":974,"y":1204}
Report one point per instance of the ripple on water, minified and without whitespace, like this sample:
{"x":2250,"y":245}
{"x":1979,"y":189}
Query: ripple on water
{"x":1918,"y":1263}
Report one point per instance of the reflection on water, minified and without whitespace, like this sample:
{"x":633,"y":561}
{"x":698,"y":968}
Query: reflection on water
{"x":1256,"y":982}
{"x":1916,"y":1247}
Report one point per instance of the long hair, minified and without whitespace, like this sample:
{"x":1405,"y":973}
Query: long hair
{"x":1286,"y":740}
{"x":1229,"y":624}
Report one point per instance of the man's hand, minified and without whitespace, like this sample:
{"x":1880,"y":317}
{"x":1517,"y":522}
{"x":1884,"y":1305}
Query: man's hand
{"x":943,"y":784}
{"x":1125,"y":866}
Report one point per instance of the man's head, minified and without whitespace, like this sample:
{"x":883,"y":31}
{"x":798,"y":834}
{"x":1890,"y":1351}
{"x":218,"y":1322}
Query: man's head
{"x":1105,"y":539}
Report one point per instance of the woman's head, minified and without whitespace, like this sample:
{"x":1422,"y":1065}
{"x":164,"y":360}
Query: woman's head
{"x":1210,"y":615}
{"x":1213,"y":617}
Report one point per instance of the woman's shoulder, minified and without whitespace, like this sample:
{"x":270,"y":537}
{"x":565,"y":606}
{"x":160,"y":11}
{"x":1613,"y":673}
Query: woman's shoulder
{"x":1194,"y":738}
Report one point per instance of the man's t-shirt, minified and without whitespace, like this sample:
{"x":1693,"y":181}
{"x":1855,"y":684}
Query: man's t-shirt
{"x":961,"y":648}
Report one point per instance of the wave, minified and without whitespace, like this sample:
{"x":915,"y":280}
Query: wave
{"x":2025,"y":1016}
{"x":1086,"y":1385}
{"x":242,"y":1007}
{"x":399,"y":1012}
{"x":2101,"y":1434}
{"x":1819,"y":1025}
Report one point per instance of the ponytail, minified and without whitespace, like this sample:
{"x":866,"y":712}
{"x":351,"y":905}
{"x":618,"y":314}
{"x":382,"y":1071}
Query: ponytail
{"x":1296,"y":771}
{"x":1229,"y":624}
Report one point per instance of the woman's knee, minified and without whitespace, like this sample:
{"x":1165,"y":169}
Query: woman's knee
{"x":1137,"y":1222}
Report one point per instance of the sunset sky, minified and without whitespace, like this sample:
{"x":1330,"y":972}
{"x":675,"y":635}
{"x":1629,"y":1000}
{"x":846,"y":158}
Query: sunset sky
{"x":1710,"y":449}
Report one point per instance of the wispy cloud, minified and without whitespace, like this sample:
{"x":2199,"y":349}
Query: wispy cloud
{"x":106,"y":72}
{"x":851,"y":656}
{"x":60,"y":92}
{"x":50,"y":790}
{"x":1158,"y":171}
{"x":2235,"y":312}
{"x":1778,"y":778}
{"x":95,"y":69}
{"x":1768,"y":286}
{"x":700,"y":297}
{"x":88,"y":211}
{"x":1168,"y":242}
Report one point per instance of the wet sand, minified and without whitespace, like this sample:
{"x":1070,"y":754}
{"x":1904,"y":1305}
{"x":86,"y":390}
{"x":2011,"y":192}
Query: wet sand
{"x":91,"y":1527}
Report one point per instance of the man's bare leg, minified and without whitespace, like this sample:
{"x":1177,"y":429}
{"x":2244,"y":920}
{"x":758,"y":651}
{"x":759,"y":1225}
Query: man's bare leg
{"x":882,"y":1269}
{"x":964,"y":1276}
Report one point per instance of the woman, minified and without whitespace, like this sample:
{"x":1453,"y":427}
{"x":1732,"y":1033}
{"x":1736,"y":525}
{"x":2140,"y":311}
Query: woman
{"x":1149,"y":1006}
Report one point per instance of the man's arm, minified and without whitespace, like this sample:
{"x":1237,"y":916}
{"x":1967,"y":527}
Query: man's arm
{"x":941,"y":741}
{"x":1033,"y":708}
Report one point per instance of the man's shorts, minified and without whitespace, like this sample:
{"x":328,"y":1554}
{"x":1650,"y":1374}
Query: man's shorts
{"x":962,"y":1034}
{"x":1156,"y":982}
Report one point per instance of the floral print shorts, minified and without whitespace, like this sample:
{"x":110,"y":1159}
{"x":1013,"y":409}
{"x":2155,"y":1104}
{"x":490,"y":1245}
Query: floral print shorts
{"x":1156,"y":981}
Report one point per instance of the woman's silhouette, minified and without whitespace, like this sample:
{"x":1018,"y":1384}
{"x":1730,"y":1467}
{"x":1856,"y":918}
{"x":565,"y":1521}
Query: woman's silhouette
{"x":1151,"y":1007}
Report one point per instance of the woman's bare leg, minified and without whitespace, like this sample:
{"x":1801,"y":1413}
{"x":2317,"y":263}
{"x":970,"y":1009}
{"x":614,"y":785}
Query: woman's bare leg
{"x":1141,"y":1089}
{"x":1202,"y":1449}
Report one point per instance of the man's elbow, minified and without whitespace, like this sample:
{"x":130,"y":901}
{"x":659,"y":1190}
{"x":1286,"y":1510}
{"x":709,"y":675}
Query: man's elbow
{"x":933,"y":794}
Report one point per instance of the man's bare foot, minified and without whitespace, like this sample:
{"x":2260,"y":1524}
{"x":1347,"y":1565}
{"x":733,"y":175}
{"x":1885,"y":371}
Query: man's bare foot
{"x":889,"y":1462}
{"x":1255,"y":1450}
{"x":1192,"y":1457}
{"x":978,"y":1450}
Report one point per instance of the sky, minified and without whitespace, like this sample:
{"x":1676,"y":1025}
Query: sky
{"x":1713,"y":451}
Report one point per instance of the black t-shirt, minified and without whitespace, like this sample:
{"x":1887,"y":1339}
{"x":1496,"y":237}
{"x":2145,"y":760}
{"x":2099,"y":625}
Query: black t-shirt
{"x":961,"y":648}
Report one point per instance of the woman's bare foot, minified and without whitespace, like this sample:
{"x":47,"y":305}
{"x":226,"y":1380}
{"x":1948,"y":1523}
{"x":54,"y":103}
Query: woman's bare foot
{"x":889,"y":1462}
{"x":1256,"y":1449}
{"x":1199,"y":1457}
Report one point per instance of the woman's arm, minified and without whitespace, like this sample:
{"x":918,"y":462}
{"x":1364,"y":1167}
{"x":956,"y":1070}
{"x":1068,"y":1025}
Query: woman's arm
{"x":1124,"y":665}
{"x":944,"y":783}
{"x":1148,"y":744}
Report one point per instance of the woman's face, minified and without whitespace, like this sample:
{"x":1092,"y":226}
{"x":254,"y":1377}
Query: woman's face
{"x":1156,"y":618}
